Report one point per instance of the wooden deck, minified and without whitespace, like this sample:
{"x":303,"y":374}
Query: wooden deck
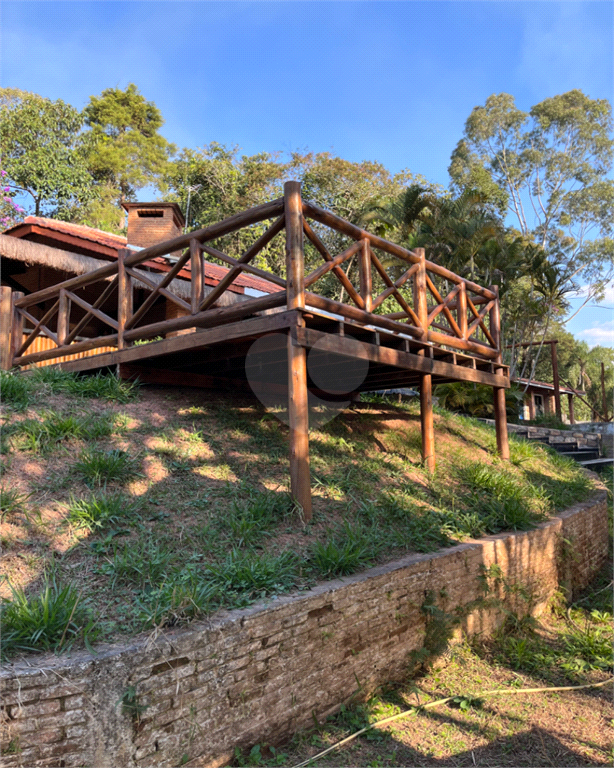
{"x":446,"y":327}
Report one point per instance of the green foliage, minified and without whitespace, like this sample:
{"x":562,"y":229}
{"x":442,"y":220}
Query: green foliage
{"x":248,"y":575}
{"x":259,"y":755}
{"x":100,"y":511}
{"x":14,"y":390}
{"x":21,"y":390}
{"x":123,"y":148}
{"x":350,"y":550}
{"x":39,"y":150}
{"x":99,"y":467}
{"x":52,"y":620}
{"x":475,"y":399}
{"x":12,"y":502}
{"x":51,"y":429}
{"x":553,"y":161}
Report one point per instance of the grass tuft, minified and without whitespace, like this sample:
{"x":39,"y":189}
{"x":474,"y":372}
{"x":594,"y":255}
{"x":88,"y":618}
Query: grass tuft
{"x":99,"y":467}
{"x":50,"y":621}
{"x":97,"y":512}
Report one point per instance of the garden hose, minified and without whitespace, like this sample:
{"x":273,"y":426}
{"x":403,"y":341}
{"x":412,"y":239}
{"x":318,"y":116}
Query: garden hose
{"x":431,"y":704}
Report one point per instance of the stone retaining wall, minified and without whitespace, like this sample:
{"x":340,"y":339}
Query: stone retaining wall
{"x":190,"y":696}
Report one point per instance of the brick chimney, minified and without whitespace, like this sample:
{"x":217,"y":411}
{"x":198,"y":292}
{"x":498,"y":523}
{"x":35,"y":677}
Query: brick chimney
{"x":152,"y":223}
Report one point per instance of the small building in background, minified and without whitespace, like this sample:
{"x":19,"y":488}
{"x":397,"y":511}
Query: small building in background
{"x":539,"y":400}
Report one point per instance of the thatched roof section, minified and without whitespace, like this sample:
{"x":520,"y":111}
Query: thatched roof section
{"x":43,"y":255}
{"x":31,"y":253}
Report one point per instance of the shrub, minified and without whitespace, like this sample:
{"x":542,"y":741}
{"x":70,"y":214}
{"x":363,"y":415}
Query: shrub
{"x":50,"y":621}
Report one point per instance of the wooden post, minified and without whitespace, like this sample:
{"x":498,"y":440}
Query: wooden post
{"x":298,"y":416}
{"x":499,"y":392}
{"x":420,"y":305}
{"x":604,"y":401}
{"x":555,"y":379}
{"x":531,"y":405}
{"x":426,"y":381}
{"x":124,"y":296}
{"x":426,"y":421}
{"x":572,"y":419}
{"x":6,"y":324}
{"x":63,"y":313}
{"x":295,"y":267}
{"x":366,"y":287}
{"x":462,"y":309}
{"x":197,"y":275}
{"x":298,"y":405}
{"x":17,"y":326}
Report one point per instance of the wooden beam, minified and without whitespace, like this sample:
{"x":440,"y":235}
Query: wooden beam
{"x":572,"y":419}
{"x":209,"y":317}
{"x":604,"y":399}
{"x":197,"y":275}
{"x":6,"y":323}
{"x":188,"y":342}
{"x":396,"y":358}
{"x":298,"y":415}
{"x":64,"y":316}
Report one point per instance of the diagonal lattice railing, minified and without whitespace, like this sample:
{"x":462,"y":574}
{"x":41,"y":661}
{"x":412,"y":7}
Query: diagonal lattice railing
{"x":432,"y":303}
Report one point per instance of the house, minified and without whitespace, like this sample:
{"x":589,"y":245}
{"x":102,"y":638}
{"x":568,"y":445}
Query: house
{"x":539,"y":399}
{"x":41,"y":252}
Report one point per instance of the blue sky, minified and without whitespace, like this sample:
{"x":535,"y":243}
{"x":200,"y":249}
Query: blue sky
{"x":386,"y":81}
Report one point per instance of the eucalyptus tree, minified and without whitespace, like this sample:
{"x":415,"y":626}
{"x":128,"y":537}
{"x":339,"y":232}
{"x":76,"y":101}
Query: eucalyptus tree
{"x":547,"y":168}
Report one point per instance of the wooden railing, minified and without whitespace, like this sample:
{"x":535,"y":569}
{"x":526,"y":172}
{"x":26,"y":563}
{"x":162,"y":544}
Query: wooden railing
{"x":435,"y":305}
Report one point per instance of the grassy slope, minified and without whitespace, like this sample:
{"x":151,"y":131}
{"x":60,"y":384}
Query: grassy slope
{"x":153,"y":507}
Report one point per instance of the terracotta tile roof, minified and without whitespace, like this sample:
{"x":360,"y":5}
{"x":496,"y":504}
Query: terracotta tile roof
{"x":78,"y":230}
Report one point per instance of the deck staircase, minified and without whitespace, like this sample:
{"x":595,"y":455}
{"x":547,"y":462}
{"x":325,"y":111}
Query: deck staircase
{"x":587,"y":456}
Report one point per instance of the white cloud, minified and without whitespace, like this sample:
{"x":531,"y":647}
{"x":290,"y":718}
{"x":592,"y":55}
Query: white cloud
{"x":599,"y":333}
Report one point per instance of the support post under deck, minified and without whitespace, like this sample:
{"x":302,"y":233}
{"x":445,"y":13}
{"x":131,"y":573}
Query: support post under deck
{"x":503,"y":446}
{"x":426,"y":381}
{"x":426,"y":421}
{"x":298,"y":406}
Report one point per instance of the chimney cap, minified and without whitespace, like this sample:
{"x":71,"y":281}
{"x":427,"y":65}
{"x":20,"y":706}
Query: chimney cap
{"x":177,"y":214}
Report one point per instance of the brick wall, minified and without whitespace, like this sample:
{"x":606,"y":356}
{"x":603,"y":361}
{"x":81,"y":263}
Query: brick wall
{"x":260,"y":674}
